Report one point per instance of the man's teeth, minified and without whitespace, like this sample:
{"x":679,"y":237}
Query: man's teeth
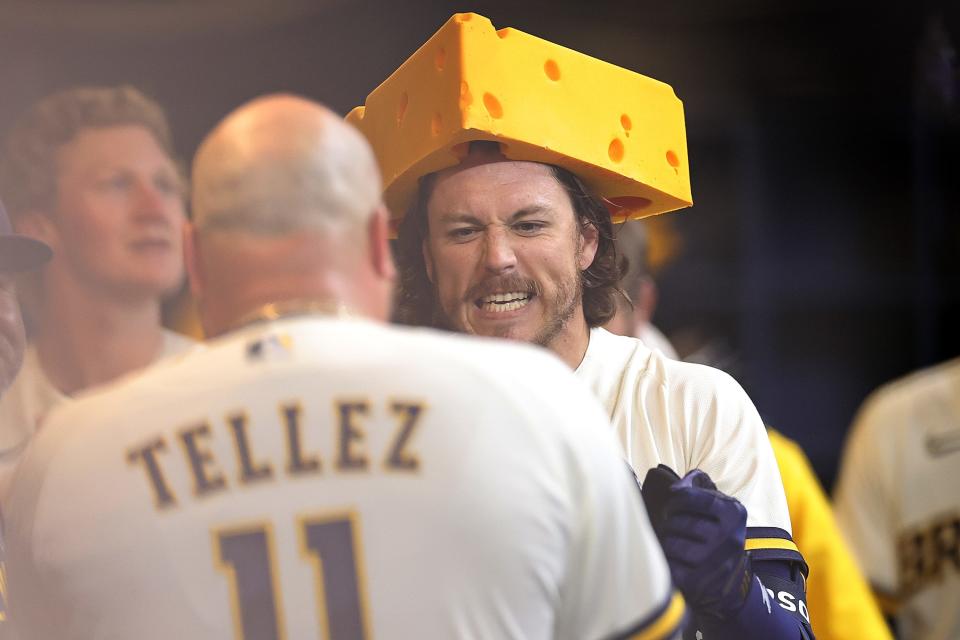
{"x":504,"y":301}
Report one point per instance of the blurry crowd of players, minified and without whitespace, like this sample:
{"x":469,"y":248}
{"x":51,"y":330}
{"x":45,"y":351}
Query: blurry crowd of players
{"x":113,"y":188}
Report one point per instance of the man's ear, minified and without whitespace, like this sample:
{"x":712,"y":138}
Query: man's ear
{"x":589,"y":241}
{"x":378,"y":237}
{"x":193,"y":261}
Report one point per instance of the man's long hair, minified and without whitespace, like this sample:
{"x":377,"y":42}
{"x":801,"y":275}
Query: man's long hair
{"x":416,"y":299}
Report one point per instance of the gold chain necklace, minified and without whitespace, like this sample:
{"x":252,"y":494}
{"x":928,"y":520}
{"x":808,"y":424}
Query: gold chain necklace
{"x":297,"y":307}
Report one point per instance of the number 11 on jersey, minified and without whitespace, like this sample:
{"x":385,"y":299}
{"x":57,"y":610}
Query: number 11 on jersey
{"x":245,"y":554}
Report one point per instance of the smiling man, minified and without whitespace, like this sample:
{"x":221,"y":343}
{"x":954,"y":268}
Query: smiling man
{"x":90,"y":172}
{"x":489,"y":162}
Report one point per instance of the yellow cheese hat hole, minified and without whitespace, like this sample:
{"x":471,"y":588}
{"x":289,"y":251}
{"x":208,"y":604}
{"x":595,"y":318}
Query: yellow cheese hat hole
{"x":627,"y":207}
{"x":465,"y":97}
{"x":615,"y":151}
{"x":493,"y":106}
{"x":673,"y":159}
{"x":552,"y":70}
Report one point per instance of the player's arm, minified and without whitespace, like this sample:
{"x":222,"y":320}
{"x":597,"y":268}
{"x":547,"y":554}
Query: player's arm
{"x":730,"y":444}
{"x":739,"y":582}
{"x":617,"y":583}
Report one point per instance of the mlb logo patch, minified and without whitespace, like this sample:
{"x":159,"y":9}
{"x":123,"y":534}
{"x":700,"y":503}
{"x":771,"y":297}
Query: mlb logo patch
{"x":273,"y":346}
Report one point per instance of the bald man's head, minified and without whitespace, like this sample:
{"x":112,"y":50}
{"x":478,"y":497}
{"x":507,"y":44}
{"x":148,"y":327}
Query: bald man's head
{"x":280,"y":164}
{"x":286,"y":205}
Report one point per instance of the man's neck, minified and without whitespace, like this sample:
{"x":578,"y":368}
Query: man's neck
{"x":571,"y":343}
{"x":88,"y":340}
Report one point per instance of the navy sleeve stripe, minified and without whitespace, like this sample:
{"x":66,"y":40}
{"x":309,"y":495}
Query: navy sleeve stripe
{"x":768,"y":532}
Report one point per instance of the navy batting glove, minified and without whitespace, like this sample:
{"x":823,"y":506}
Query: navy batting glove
{"x":702,"y":532}
{"x":656,"y":492}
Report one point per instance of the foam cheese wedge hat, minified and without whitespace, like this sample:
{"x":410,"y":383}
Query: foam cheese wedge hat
{"x":621,"y":132}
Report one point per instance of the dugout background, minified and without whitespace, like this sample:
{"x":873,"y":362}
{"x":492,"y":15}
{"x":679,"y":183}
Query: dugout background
{"x":822,"y":256}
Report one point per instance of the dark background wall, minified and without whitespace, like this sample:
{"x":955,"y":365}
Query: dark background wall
{"x":821,"y":256}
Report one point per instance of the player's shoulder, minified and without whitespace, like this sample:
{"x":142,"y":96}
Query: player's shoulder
{"x":698,"y":382}
{"x":459,"y":365}
{"x":699,"y":378}
{"x":668,"y":371}
{"x":924,"y":384}
{"x":892,"y":405}
{"x":527,"y":386}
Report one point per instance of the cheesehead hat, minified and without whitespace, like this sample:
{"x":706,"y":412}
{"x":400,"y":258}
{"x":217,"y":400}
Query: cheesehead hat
{"x":622,"y":133}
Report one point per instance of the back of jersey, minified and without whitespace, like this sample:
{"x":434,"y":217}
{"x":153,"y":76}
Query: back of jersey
{"x":337,"y":479}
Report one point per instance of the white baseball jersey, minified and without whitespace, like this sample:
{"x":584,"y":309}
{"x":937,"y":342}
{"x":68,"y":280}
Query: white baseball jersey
{"x":314,"y":477}
{"x":32,"y":396}
{"x":898,"y":499}
{"x":689,"y":416}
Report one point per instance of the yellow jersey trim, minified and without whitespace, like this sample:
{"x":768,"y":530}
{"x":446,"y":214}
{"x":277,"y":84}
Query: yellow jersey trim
{"x":770,"y":543}
{"x":667,"y":623}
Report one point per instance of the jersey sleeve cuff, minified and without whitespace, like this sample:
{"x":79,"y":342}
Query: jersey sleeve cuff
{"x":773,"y":543}
{"x":664,"y":622}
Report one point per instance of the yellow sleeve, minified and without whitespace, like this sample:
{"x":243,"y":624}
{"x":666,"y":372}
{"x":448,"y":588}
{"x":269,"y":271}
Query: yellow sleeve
{"x":840,"y":602}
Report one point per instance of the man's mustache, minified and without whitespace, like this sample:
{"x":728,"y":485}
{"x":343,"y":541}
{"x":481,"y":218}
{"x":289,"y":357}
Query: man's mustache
{"x":502,"y":284}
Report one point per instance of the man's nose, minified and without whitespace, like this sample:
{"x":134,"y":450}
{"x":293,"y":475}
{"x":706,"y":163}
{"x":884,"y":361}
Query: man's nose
{"x":499,"y":254}
{"x":152,"y":203}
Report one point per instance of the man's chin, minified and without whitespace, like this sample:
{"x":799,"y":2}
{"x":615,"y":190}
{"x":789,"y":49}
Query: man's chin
{"x":503,"y":330}
{"x":145,"y":287}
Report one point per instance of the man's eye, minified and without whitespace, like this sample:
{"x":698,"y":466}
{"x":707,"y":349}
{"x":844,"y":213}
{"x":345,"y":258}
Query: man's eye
{"x":528,"y":227}
{"x":116,"y":182}
{"x":461,"y":233}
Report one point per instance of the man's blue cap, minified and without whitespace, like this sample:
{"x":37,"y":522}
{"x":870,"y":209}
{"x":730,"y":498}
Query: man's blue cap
{"x":18,"y":252}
